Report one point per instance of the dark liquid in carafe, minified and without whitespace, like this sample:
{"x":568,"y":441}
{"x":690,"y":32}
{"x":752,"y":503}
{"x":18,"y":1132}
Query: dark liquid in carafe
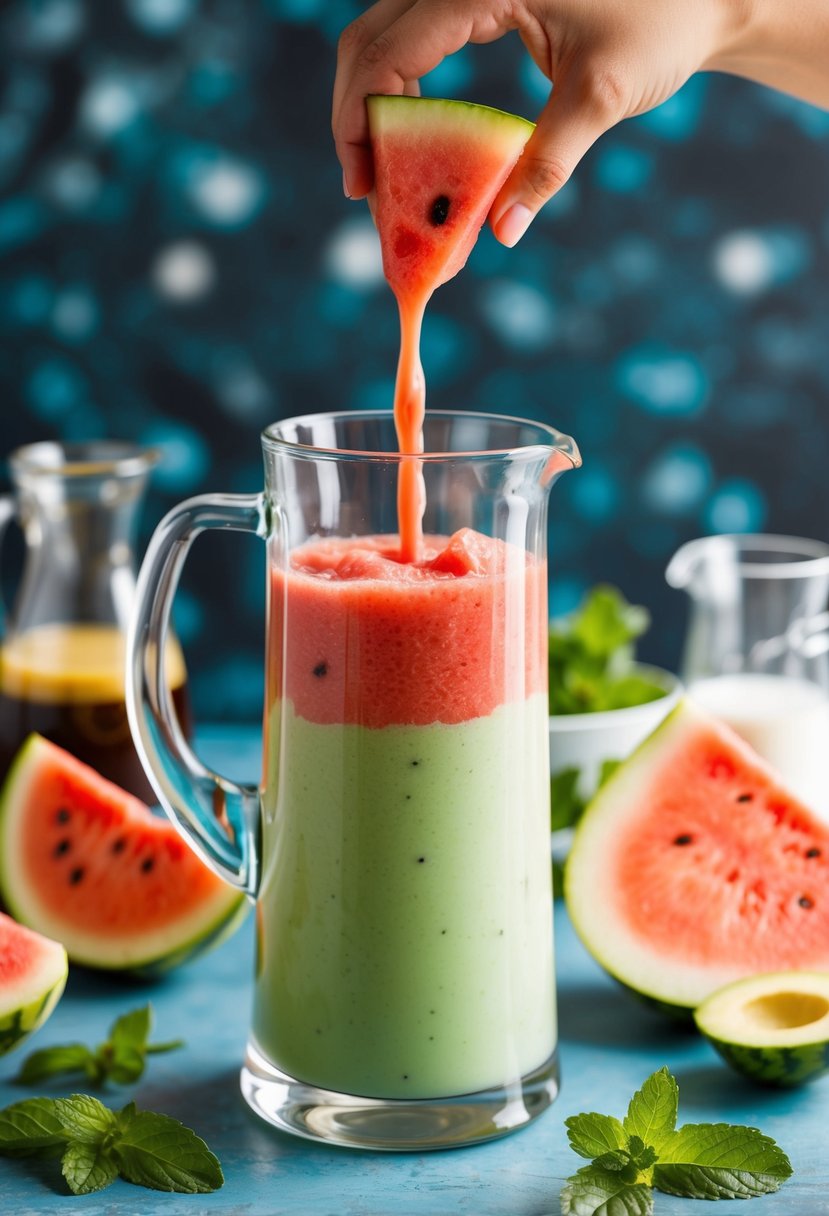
{"x":67,"y":685}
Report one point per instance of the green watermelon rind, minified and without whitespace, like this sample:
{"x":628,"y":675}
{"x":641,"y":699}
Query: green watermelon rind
{"x":414,"y":111}
{"x":27,"y":1000}
{"x":778,"y":1067}
{"x":778,"y":1064}
{"x":146,"y":963}
{"x":669,"y":987}
{"x":18,"y":1024}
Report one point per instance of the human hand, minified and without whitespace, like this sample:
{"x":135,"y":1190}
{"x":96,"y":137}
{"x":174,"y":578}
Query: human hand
{"x":609,"y":60}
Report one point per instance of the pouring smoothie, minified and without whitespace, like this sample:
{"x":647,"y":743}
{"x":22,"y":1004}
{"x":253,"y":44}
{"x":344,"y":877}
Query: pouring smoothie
{"x":404,"y":994}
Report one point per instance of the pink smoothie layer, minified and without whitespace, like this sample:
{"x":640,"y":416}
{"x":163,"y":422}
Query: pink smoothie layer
{"x":379,"y":642}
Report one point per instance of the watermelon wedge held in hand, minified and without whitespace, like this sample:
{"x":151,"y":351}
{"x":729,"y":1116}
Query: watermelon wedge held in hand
{"x":89,"y":865}
{"x":33,"y":974}
{"x":694,"y":867}
{"x":438,"y":166}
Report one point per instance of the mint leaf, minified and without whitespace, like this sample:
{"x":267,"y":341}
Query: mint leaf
{"x":30,"y":1127}
{"x":120,"y":1058}
{"x":84,"y":1118}
{"x":719,"y":1161}
{"x":159,"y":1152}
{"x":652,"y":1112}
{"x":132,"y":1029}
{"x":88,"y":1167}
{"x":590,"y":1135}
{"x":53,"y":1061}
{"x":641,"y":1155}
{"x":98,"y":1144}
{"x":617,"y":1160}
{"x":593,"y":1191}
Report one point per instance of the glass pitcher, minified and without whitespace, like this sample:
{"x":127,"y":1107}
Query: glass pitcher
{"x":399,"y":845}
{"x":756,"y":652}
{"x":63,"y":647}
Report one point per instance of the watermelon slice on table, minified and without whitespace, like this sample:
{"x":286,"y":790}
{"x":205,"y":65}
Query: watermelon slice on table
{"x":89,"y":865}
{"x":694,"y":867}
{"x":438,"y":166}
{"x":33,"y":974}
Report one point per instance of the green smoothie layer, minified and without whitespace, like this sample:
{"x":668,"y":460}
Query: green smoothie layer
{"x":405,"y":918}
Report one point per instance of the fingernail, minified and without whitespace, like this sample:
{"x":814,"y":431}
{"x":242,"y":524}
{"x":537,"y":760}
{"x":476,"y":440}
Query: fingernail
{"x":346,"y":190}
{"x":513,"y":224}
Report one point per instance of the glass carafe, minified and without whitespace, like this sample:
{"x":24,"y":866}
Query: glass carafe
{"x":756,"y":650}
{"x":398,"y":845}
{"x":63,"y":645}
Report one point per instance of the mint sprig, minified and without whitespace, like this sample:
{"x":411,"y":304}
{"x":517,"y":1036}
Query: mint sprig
{"x":98,"y":1144}
{"x":121,"y":1058}
{"x":646,"y":1150}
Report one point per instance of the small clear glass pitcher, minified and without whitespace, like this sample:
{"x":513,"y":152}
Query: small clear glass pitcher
{"x":757,"y":647}
{"x":63,"y":647}
{"x":398,"y":847}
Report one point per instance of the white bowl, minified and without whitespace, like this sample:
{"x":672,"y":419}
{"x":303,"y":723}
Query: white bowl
{"x":586,"y":741}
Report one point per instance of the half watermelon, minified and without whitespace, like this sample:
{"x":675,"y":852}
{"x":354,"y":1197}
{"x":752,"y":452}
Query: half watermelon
{"x":694,"y":867}
{"x":89,"y":865}
{"x":438,"y":166}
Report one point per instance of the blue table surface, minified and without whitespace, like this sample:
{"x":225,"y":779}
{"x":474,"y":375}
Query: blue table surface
{"x":609,"y":1044}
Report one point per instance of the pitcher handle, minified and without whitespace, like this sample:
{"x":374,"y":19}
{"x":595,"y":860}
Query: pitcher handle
{"x":220,"y":818}
{"x":8,"y":510}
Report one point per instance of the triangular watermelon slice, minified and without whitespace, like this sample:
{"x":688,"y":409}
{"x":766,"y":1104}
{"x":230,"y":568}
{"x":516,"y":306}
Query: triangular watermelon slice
{"x":438,"y":166}
{"x":86,"y":863}
{"x":694,"y":867}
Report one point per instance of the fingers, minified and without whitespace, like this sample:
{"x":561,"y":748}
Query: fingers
{"x":578,"y":112}
{"x":387,"y":51}
{"x":356,"y":159}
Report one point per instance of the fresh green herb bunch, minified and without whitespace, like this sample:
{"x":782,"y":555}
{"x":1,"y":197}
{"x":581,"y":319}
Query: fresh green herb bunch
{"x":95,"y":1144}
{"x":591,"y":656}
{"x":121,"y":1057}
{"x":646,"y":1150}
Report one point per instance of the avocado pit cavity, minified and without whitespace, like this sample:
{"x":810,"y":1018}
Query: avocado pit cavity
{"x":785,"y":1010}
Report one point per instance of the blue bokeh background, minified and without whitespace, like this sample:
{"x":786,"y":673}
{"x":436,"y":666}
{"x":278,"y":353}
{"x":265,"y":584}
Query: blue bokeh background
{"x":179,"y":267}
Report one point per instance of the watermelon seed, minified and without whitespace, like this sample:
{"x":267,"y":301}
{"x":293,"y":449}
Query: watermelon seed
{"x":76,"y":876}
{"x":806,"y":902}
{"x":745,"y":797}
{"x":813,"y":852}
{"x":321,"y":670}
{"x":119,"y":845}
{"x":147,"y":864}
{"x":63,"y":846}
{"x":62,"y":815}
{"x":684,"y":838}
{"x":440,"y":210}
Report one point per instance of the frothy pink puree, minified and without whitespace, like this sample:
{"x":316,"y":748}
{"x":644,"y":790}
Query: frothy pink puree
{"x":377,"y":641}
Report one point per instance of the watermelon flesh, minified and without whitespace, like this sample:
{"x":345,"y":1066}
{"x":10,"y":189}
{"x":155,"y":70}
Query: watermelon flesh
{"x":438,"y":166}
{"x":33,"y":973}
{"x":88,"y":864}
{"x":695,"y":867}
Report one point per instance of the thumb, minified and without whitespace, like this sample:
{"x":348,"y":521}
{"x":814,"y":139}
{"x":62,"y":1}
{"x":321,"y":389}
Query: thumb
{"x":572,"y":120}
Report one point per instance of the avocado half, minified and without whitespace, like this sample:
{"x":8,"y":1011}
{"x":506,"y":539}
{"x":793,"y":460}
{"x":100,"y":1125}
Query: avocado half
{"x":772,"y":1028}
